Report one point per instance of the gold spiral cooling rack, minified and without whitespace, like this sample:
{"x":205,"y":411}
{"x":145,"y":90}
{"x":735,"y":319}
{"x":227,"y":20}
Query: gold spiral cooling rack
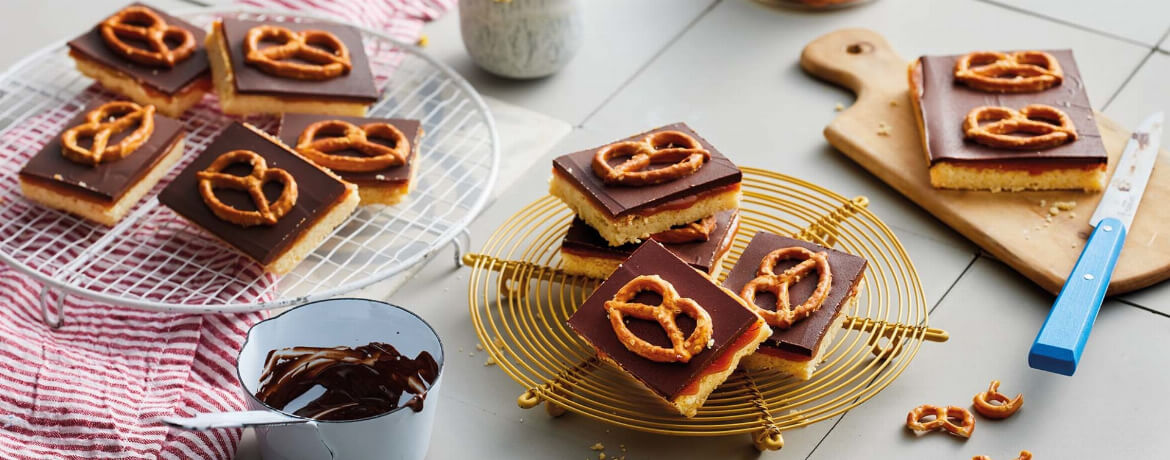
{"x":520,"y":299}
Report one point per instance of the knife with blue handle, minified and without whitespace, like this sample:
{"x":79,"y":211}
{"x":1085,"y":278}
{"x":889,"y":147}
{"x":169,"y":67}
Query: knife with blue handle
{"x":1062,"y":339}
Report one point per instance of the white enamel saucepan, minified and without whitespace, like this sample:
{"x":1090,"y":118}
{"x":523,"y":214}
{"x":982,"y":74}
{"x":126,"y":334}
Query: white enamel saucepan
{"x":400,"y":433}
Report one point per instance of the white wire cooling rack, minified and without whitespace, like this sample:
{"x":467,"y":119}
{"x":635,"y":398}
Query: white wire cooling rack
{"x":154,"y":260}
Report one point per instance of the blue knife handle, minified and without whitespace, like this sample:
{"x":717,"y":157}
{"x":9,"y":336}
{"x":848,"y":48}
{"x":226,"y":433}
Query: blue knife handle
{"x":1061,"y":340}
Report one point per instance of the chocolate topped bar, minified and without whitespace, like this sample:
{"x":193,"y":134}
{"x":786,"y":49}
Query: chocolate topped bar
{"x":583,"y":239}
{"x":91,"y":45}
{"x":106,"y":181}
{"x":945,"y":102}
{"x":729,"y":319}
{"x":318,"y":192}
{"x":804,"y":337}
{"x":621,"y":200}
{"x":356,"y":85}
{"x":293,"y":124}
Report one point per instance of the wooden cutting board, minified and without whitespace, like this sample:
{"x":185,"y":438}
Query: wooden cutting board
{"x":1010,"y":226}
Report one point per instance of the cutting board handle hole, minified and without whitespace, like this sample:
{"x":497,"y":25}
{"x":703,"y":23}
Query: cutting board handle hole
{"x":859,"y":48}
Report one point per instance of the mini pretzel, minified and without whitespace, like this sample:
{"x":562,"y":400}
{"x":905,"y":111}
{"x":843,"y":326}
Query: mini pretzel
{"x":942,"y":420}
{"x":141,"y":24}
{"x":266,"y":213}
{"x":672,"y":305}
{"x":699,"y":230}
{"x":101,"y":124}
{"x":1024,"y":455}
{"x":1051,"y":127}
{"x":306,"y":46}
{"x":1018,"y":72}
{"x":767,"y":280}
{"x":350,"y":136}
{"x":1005,"y":407}
{"x":684,"y":154}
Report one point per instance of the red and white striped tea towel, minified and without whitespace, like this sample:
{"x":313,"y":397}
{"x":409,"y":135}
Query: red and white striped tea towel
{"x":96,"y":387}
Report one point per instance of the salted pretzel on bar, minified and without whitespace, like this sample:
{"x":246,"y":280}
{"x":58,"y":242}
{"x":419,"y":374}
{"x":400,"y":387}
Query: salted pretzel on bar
{"x":1018,"y":72}
{"x":699,"y":230}
{"x":142,"y":25}
{"x":103,"y":123}
{"x":767,"y":280}
{"x":943,"y":417}
{"x":684,"y":154}
{"x":324,"y":54}
{"x":995,"y":405}
{"x":339,"y":135}
{"x":1024,"y":455}
{"x":266,"y":213}
{"x":997,"y":127}
{"x":683,"y":348}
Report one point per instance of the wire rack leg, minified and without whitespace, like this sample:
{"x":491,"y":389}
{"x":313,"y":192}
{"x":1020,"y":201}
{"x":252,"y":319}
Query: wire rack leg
{"x":769,"y":437}
{"x":462,"y":243}
{"x":58,"y":319}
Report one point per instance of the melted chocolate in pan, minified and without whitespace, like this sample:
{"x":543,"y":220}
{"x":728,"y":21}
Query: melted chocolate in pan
{"x":359,"y":382}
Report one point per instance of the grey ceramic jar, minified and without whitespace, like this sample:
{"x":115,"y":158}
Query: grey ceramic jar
{"x":521,"y":38}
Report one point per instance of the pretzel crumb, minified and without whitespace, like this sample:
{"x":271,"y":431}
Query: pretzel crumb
{"x":490,"y":362}
{"x":1065,"y":205}
{"x":599,"y":446}
{"x":479,"y":347}
{"x":839,"y":107}
{"x":423,"y":41}
{"x":601,"y":456}
{"x":498,"y":342}
{"x":1054,"y":210}
{"x":883,"y":129}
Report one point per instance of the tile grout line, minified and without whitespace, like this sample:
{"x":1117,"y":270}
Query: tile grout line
{"x":1128,"y":78}
{"x":955,"y":283}
{"x":929,"y":312}
{"x":646,"y":65}
{"x":1131,"y":303}
{"x":1066,"y":23}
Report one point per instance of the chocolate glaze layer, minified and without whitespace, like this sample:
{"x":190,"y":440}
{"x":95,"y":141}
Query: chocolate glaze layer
{"x":804,"y":337}
{"x":293,"y":124}
{"x":944,"y":103}
{"x":359,"y":382}
{"x":621,"y":200}
{"x":582,"y":238}
{"x":729,"y":319}
{"x":358,"y":84}
{"x":318,"y":192}
{"x":107,"y":181}
{"x":167,"y":80}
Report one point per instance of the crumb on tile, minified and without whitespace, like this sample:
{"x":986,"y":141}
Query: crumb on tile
{"x":490,"y":361}
{"x":423,"y":41}
{"x":479,"y":347}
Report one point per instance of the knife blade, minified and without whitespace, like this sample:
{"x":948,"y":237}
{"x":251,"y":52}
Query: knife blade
{"x":1062,"y":338}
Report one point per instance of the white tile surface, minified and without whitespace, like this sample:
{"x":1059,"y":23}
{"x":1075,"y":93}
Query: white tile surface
{"x":735,"y":77}
{"x":1143,"y":21}
{"x":620,"y":36}
{"x":1109,"y":409}
{"x":1146,"y":93}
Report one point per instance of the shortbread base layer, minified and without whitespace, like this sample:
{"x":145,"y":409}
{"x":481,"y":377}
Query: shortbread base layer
{"x":956,"y":176}
{"x":601,"y":267}
{"x":634,"y":228}
{"x":314,"y":235}
{"x":104,"y":212}
{"x":235,"y":103}
{"x":171,"y":105}
{"x":767,"y":357}
{"x":688,"y":404}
